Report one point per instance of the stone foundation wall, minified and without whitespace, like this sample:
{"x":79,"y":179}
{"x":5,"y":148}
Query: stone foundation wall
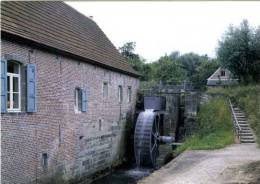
{"x":172,"y":114}
{"x":190,"y":124}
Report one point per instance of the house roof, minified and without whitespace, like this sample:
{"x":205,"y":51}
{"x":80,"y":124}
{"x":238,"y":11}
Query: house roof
{"x":211,"y":77}
{"x":216,"y":79}
{"x":57,"y":25}
{"x":217,"y":73}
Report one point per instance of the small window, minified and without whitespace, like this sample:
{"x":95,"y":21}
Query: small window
{"x":99,"y":124}
{"x":105,"y":89}
{"x":129,"y":94}
{"x":78,"y":100}
{"x":13,"y":86}
{"x":120,"y":94}
{"x":223,"y":73}
{"x":45,"y":161}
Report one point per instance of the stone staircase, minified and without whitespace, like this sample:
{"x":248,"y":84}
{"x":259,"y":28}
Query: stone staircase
{"x":245,"y":134}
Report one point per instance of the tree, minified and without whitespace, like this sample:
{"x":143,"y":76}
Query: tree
{"x":127,"y":50}
{"x":190,"y":62}
{"x":174,"y":55}
{"x":203,"y":72}
{"x":169,"y":70}
{"x":239,"y":51}
{"x":174,"y":68}
{"x":138,"y":63}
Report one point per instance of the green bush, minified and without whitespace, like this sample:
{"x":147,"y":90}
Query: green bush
{"x":215,"y":127}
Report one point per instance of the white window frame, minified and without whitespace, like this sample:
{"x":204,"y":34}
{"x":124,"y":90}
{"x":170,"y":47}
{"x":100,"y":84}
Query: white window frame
{"x":129,"y":94}
{"x":120,"y":94}
{"x":76,"y":104}
{"x":11,"y":76}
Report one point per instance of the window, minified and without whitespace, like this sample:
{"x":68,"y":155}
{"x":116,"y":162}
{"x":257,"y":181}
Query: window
{"x":129,"y":94}
{"x":223,"y":73}
{"x":120,"y":94}
{"x":78,"y":100}
{"x":45,"y":161}
{"x":105,"y":89}
{"x":13,"y":87}
{"x":81,"y":100}
{"x":99,"y":124}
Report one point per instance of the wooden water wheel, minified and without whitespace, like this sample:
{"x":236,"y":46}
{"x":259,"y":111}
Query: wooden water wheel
{"x":147,"y":138}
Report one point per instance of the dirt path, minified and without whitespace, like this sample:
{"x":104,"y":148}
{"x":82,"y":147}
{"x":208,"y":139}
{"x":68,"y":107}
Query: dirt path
{"x":228,"y":165}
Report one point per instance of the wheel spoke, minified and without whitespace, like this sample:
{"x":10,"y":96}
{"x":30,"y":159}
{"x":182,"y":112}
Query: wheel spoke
{"x":153,"y":146}
{"x":154,"y":134}
{"x":156,"y":128}
{"x":157,"y":125}
{"x":154,"y":153}
{"x":154,"y":150}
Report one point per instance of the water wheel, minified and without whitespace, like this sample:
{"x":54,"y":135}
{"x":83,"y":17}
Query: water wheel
{"x":146,"y":138}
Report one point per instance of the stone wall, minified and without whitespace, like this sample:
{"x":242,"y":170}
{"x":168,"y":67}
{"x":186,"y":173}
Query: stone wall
{"x":77,"y":144}
{"x":189,"y":123}
{"x":171,"y":114}
{"x":171,"y":118}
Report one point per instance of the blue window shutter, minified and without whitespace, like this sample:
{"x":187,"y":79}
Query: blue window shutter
{"x":84,"y":99}
{"x":3,"y":85}
{"x":31,"y":88}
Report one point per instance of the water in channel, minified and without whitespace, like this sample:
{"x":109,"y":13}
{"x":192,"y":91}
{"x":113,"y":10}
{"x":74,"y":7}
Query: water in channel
{"x":124,"y":176}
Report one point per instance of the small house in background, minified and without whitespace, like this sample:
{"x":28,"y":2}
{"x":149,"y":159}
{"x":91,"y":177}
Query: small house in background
{"x":221,"y":77}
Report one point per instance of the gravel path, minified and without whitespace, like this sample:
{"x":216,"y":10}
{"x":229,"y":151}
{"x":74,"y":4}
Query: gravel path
{"x":208,"y":167}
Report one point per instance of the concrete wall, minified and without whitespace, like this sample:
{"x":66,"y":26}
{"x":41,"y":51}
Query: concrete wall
{"x":77,"y":144}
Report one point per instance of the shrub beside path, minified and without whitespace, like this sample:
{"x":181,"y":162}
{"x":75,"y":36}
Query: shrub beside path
{"x":238,"y":163}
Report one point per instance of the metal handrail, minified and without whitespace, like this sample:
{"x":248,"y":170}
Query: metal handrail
{"x":235,"y":121}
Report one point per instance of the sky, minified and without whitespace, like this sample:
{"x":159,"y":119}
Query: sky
{"x":158,"y":28}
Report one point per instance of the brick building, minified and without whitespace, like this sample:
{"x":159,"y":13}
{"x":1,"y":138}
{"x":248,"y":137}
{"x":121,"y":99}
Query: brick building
{"x":66,"y":94}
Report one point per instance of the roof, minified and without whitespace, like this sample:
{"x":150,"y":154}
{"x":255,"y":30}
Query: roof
{"x":217,"y":74}
{"x":59,"y":26}
{"x":216,"y":79}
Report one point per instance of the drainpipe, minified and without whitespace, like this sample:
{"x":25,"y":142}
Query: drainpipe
{"x":36,"y":156}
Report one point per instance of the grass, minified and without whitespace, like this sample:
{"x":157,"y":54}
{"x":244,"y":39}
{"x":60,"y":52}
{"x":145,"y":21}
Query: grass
{"x":248,"y":99}
{"x":215,"y":127}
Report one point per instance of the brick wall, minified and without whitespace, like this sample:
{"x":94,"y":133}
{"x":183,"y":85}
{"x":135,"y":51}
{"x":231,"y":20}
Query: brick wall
{"x":77,"y":144}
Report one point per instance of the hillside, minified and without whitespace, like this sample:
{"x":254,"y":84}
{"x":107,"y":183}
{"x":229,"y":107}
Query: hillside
{"x":248,"y":99}
{"x":215,"y":127}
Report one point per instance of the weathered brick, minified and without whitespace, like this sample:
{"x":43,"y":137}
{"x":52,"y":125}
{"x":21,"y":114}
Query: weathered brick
{"x":73,"y":141}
